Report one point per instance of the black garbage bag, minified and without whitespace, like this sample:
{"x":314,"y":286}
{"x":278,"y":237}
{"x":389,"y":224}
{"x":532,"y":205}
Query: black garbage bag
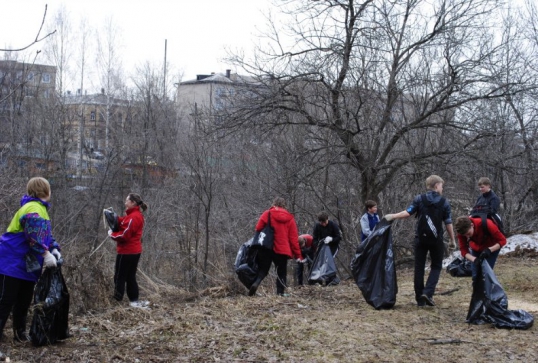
{"x":323,"y":269}
{"x":489,"y":303}
{"x":246,"y":265}
{"x":460,"y":267}
{"x":373,"y":268}
{"x":51,"y":308}
{"x":111,"y":219}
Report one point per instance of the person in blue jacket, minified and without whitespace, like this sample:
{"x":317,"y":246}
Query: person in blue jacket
{"x":369,"y":219}
{"x":25,"y":248}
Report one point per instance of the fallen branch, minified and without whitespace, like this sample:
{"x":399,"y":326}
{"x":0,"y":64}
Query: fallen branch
{"x":448,"y":292}
{"x":445,"y":341}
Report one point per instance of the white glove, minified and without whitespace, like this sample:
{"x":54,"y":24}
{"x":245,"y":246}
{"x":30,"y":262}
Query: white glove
{"x":49,"y":260}
{"x":328,"y":240}
{"x":56,"y":254}
{"x":301,"y":261}
{"x":389,"y":217}
{"x":109,"y":232}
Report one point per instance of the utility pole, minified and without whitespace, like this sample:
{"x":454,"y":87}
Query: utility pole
{"x":164,"y":78}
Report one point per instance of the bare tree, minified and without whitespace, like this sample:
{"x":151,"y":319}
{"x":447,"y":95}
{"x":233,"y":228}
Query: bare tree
{"x":377,"y":83}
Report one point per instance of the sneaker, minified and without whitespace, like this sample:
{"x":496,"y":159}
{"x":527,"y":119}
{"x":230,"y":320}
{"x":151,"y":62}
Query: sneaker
{"x":139,"y":304}
{"x":427,"y":300}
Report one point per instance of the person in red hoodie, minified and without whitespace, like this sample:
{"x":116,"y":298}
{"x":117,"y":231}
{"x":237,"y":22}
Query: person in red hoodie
{"x":475,"y":244}
{"x":129,"y":248}
{"x":285,"y":246}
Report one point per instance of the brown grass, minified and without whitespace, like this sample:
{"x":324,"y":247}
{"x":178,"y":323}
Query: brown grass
{"x":314,"y":324}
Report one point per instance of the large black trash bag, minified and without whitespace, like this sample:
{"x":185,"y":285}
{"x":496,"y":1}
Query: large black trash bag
{"x":246,"y":265}
{"x":51,"y":308}
{"x":489,"y":303}
{"x":323,"y":269}
{"x":373,"y":268}
{"x":460,"y":267}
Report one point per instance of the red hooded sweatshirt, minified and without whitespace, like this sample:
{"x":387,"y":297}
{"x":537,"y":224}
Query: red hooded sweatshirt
{"x":283,"y":222}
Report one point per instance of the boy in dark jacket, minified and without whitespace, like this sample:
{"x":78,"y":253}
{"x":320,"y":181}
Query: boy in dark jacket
{"x":328,"y":232}
{"x":425,"y":244}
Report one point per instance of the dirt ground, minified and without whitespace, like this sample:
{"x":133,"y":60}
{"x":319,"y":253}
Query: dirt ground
{"x":314,"y":324}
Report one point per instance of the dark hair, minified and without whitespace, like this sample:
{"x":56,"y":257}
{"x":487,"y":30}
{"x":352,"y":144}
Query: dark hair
{"x":369,"y":204}
{"x":135,"y":198}
{"x":323,"y":216}
{"x":463,"y":224}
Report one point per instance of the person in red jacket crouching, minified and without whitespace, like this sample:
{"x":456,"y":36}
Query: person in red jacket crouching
{"x":129,"y":248}
{"x":478,"y":242}
{"x":285,"y":246}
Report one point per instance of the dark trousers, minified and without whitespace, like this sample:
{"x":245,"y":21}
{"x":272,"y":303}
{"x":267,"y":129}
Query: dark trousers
{"x":301,"y":270}
{"x":125,"y":274}
{"x":265,"y":258}
{"x":15,"y":295}
{"x":436,"y":250}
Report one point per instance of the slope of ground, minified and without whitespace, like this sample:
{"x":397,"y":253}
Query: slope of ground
{"x":314,"y":324}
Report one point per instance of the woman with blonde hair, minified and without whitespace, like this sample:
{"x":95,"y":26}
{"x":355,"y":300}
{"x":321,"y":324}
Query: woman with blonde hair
{"x":25,"y":247}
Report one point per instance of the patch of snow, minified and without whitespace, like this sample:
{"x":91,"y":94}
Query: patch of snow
{"x":527,"y":241}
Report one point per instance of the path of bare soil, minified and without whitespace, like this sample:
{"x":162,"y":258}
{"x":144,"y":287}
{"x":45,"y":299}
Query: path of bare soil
{"x":315,"y":324}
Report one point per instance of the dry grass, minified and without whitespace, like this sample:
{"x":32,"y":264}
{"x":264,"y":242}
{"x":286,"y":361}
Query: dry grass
{"x":315,"y":324}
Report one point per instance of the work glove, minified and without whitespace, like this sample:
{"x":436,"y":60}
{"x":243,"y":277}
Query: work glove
{"x":485,"y":254}
{"x":109,"y":232}
{"x":477,"y":261}
{"x":301,"y":261}
{"x":452,"y":244}
{"x":49,"y":260}
{"x":389,"y":217}
{"x":328,"y":239}
{"x":56,"y":254}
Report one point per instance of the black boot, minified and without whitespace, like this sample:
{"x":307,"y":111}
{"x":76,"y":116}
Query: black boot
{"x":254,"y":287}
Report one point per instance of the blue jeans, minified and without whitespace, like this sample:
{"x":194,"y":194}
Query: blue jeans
{"x":491,"y":260}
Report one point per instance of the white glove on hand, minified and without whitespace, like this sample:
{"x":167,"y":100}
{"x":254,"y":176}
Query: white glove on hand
{"x":56,"y":254}
{"x":301,"y":261}
{"x":328,"y":239}
{"x":389,"y":217}
{"x":109,"y":232}
{"x":49,"y":260}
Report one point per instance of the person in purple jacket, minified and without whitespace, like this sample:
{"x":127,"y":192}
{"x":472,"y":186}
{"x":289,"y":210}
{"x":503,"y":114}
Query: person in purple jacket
{"x":25,"y":248}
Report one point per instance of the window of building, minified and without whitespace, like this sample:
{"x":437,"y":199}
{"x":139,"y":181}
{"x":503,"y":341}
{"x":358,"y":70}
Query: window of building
{"x":45,"y":78}
{"x":92,"y":116}
{"x":29,"y":91}
{"x":30,"y":76}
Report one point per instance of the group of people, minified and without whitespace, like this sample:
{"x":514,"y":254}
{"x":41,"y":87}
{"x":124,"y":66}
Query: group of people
{"x":475,"y":242}
{"x":28,"y":246}
{"x":288,"y":244}
{"x":479,"y":238}
{"x":28,"y":242}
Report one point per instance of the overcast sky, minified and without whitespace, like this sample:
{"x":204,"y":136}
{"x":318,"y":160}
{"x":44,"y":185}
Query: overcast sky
{"x":197,"y":31}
